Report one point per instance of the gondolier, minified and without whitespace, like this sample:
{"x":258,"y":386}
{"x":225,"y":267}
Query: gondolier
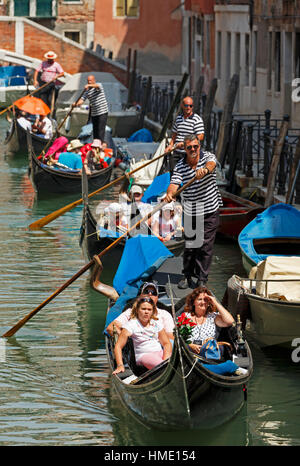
{"x":49,"y":69}
{"x":94,"y":92}
{"x":201,"y":203}
{"x":186,"y":123}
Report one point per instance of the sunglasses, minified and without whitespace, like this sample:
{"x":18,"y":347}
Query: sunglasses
{"x":188,"y":105}
{"x":145,"y":300}
{"x":194,"y":147}
{"x":151,"y":292}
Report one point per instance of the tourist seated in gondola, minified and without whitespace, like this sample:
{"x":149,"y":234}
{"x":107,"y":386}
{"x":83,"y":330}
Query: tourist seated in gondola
{"x":43,"y":127}
{"x":208,"y":315}
{"x":95,"y":158}
{"x":59,"y":145}
{"x":151,"y":343}
{"x":72,"y":158}
{"x":24,"y":121}
{"x":148,"y":289}
{"x":166,"y":224}
{"x":115,"y":218}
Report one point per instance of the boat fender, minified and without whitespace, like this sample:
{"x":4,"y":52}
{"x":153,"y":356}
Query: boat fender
{"x":68,"y":124}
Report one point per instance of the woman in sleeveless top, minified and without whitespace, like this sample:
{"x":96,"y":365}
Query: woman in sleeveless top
{"x":208,"y":314}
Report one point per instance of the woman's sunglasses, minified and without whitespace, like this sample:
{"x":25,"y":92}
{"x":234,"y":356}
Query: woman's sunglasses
{"x":145,"y":300}
{"x":188,"y":105}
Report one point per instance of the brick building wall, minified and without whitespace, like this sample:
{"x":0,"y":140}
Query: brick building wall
{"x":35,"y":40}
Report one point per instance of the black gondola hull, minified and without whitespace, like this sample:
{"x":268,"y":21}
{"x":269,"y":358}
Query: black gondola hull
{"x":16,"y":140}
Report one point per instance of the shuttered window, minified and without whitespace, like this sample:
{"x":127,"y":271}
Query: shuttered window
{"x":21,"y":8}
{"x":128,"y":8}
{"x":44,"y":8}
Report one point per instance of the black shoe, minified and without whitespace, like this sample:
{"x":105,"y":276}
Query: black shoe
{"x":185,"y":283}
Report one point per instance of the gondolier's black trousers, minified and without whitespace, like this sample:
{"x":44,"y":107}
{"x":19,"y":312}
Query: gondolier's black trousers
{"x":99,"y":123}
{"x":46,"y":93}
{"x":197,"y":261}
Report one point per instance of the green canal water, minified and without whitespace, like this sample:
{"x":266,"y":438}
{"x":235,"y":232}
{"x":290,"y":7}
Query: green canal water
{"x":55,"y":387}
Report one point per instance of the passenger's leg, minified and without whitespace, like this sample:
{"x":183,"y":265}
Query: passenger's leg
{"x":151,"y":360}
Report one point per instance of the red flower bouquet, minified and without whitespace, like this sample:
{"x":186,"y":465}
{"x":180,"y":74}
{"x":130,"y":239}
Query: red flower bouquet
{"x":185,"y":327}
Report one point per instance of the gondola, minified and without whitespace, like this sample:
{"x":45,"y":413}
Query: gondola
{"x":49,"y":180}
{"x":91,"y":241}
{"x":184,"y":392}
{"x":16,"y":140}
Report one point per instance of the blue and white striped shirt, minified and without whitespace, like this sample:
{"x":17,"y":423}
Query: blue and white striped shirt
{"x":97,"y":99}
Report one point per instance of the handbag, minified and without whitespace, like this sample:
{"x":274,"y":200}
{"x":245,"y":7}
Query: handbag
{"x":213,"y":349}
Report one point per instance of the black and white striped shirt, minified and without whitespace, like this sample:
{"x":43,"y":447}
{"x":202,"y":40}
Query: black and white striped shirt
{"x":184,"y":126}
{"x":202,"y":194}
{"x":97,"y":99}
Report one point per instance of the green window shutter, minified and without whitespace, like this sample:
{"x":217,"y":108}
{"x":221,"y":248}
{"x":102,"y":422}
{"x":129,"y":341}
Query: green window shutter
{"x":132,"y":7}
{"x":120,"y":8}
{"x":21,"y":8}
{"x":44,"y":8}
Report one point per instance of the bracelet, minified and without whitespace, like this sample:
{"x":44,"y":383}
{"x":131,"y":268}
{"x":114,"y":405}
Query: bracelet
{"x":120,"y":365}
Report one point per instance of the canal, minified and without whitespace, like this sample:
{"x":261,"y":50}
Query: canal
{"x":54,"y":377}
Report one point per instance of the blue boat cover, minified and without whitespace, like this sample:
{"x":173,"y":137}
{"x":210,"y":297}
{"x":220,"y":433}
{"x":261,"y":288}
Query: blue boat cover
{"x":141,"y":257}
{"x":104,"y":233}
{"x":158,"y":186}
{"x":278,"y":221}
{"x":12,"y":75}
{"x":142,"y":135}
{"x":227,"y":367}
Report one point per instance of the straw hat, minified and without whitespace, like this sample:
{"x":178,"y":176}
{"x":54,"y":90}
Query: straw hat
{"x":75,"y":144}
{"x":50,"y":55}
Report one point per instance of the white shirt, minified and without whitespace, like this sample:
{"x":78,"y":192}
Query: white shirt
{"x":163,"y":316}
{"x":24,"y":123}
{"x":48,"y":128}
{"x":145,"y":339}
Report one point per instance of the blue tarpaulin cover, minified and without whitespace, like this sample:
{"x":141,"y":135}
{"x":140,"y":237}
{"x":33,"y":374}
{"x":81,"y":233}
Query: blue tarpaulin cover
{"x":278,"y":221}
{"x":12,"y":75}
{"x":227,"y":367}
{"x":158,"y":186}
{"x":141,"y":257}
{"x":142,"y":135}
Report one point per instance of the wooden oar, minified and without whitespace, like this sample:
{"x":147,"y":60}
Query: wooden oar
{"x":86,"y":267}
{"x":49,"y":218}
{"x":33,"y":92}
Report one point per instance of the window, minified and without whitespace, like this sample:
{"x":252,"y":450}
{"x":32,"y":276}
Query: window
{"x":277,"y":61}
{"x":73,"y":35}
{"x":254,"y":55}
{"x":228,"y":56}
{"x":208,"y":42}
{"x":44,"y":8}
{"x":297,"y":55}
{"x":219,"y":53}
{"x":270,"y":54}
{"x":247,"y":60}
{"x":127,"y":8}
{"x":21,"y":8}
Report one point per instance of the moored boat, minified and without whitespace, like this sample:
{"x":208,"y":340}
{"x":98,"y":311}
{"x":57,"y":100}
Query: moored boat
{"x":269,"y":300}
{"x":13,"y":84}
{"x":184,"y":392}
{"x":276,"y":231}
{"x":236,"y":213}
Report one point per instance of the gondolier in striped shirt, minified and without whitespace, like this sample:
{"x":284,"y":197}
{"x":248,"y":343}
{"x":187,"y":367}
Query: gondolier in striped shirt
{"x":186,"y":123}
{"x":94,"y":92}
{"x":201,"y":203}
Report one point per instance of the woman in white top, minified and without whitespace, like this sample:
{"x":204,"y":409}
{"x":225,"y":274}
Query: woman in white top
{"x":150,"y":341}
{"x":207,"y":313}
{"x":166,"y":223}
